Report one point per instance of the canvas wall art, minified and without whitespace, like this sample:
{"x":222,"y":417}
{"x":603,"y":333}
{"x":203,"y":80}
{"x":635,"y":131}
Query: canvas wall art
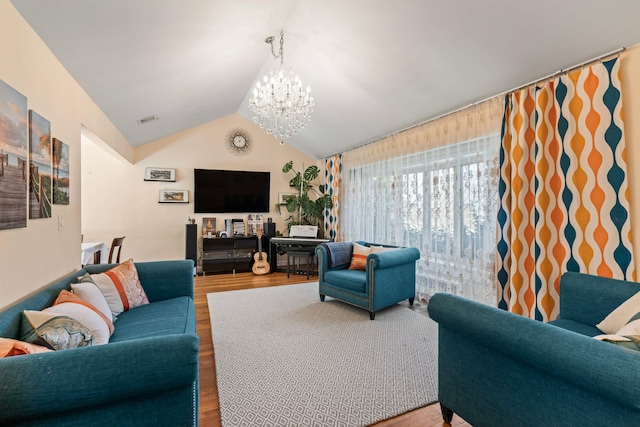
{"x":13,"y":158}
{"x":40,"y":188}
{"x":60,"y":172}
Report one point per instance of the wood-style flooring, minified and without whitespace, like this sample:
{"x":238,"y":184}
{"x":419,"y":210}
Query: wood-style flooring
{"x":428,"y":416}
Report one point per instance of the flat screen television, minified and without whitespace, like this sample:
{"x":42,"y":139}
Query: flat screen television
{"x":226,"y":191}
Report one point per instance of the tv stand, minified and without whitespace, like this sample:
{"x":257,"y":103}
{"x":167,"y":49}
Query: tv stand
{"x":228,"y":254}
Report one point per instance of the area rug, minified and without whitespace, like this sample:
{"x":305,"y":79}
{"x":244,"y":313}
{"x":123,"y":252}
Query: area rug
{"x":283,"y":358}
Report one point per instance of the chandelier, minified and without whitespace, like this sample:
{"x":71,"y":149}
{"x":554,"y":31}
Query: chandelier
{"x":279,"y":104}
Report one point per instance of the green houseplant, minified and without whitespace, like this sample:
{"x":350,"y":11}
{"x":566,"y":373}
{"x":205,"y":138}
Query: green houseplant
{"x":308,"y":205}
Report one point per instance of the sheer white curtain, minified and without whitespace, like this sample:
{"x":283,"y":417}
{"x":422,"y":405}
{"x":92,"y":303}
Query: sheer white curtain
{"x":433,"y":187}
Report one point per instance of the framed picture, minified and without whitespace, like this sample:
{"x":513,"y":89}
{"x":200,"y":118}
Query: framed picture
{"x":60,"y":158}
{"x":14,"y":158}
{"x":208,"y":226}
{"x":283,"y":197}
{"x":160,"y":174}
{"x":40,"y":162}
{"x":174,"y":196}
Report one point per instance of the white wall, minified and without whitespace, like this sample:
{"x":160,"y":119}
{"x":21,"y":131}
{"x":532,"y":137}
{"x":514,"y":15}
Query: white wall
{"x":33,"y":256}
{"x":116,"y":200}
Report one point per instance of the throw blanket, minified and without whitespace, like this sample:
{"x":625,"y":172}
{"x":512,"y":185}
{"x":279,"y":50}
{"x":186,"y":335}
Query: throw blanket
{"x":339,"y":253}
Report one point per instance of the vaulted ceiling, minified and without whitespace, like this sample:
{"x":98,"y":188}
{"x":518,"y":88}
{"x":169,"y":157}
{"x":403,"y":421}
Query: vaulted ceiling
{"x":374,"y":66}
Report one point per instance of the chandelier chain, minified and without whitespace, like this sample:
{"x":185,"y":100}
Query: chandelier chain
{"x":280,"y":53}
{"x":281,"y":48}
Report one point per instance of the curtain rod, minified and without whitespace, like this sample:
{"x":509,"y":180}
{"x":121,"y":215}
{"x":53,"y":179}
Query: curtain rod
{"x":560,"y":71}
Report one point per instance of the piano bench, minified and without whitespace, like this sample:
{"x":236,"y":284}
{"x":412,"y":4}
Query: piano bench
{"x":298,"y":254}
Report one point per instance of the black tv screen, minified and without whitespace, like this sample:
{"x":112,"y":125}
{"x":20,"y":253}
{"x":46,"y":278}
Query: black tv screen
{"x":225,"y":191}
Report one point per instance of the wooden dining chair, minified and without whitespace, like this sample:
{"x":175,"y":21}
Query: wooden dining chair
{"x":117,"y":243}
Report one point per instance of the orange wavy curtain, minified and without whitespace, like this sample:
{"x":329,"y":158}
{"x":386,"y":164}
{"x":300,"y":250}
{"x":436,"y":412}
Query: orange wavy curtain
{"x":564,"y":201}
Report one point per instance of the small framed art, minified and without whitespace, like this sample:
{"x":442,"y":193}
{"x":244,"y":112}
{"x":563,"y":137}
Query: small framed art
{"x":160,"y":174}
{"x":208,"y":227}
{"x":174,"y":196}
{"x":284,"y":197}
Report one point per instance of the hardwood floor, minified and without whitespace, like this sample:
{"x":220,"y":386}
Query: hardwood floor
{"x":428,"y":416}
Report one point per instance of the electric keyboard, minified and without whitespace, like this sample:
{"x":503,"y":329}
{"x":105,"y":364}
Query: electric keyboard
{"x":297,"y":241}
{"x":279,"y":245}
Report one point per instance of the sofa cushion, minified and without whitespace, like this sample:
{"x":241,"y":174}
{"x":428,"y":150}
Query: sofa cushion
{"x":10,"y":347}
{"x":580,"y":328}
{"x":621,"y":315}
{"x":172,"y":316}
{"x":359,"y":257}
{"x":353,"y":280}
{"x":120,"y":286}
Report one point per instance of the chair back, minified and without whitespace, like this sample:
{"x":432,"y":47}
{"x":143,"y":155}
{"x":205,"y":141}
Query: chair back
{"x":117,"y":243}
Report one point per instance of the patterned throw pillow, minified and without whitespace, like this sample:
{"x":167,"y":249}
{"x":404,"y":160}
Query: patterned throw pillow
{"x":70,"y":322}
{"x":53,"y":330}
{"x":628,"y":336}
{"x":631,"y":342}
{"x":359,"y":257}
{"x":120,"y":287}
{"x":621,"y":315}
{"x":10,"y":347}
{"x":88,"y":318}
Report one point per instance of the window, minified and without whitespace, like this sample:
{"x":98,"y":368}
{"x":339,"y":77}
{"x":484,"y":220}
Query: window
{"x":444,"y":202}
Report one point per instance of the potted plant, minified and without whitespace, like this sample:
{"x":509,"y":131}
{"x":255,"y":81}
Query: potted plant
{"x":308,"y":205}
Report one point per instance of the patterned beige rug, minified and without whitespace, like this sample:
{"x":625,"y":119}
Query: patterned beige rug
{"x":283,"y":358}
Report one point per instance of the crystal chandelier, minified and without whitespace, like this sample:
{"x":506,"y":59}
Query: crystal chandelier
{"x":279,"y":104}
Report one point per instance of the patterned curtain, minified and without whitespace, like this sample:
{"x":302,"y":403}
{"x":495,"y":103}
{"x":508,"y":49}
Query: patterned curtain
{"x":332,"y":172}
{"x":564,"y":201}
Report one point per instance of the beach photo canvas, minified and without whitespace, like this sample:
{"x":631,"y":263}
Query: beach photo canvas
{"x":60,"y":172}
{"x":40,"y":188}
{"x":13,"y":158}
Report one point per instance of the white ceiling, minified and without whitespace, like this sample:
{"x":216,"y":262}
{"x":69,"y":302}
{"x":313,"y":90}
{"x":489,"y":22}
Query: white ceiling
{"x":374,"y":66}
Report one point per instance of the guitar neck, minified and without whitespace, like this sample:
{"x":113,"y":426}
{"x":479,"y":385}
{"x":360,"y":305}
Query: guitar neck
{"x":260,"y":245}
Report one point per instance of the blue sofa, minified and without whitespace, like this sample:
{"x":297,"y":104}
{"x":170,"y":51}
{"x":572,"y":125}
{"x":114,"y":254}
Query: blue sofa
{"x":498,"y":368}
{"x":390,"y":277}
{"x":147,"y":375}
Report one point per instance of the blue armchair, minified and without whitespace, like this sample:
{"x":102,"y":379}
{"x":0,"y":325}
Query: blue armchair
{"x":389,"y":278}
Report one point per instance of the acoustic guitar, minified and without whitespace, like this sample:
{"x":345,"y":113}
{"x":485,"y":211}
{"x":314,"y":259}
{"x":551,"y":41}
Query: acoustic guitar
{"x":260,"y":265}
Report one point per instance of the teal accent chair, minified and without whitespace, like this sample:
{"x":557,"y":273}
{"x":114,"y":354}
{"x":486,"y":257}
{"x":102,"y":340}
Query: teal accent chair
{"x":389,"y":278}
{"x":496,"y":368}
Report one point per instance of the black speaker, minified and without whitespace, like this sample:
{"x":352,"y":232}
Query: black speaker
{"x":269,"y":229}
{"x":191,"y":251}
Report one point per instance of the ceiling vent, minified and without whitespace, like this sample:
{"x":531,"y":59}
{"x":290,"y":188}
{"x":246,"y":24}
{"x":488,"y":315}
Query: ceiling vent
{"x":148,"y":119}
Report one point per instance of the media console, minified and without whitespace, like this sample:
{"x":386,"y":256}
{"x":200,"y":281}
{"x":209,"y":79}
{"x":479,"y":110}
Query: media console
{"x":228,"y":254}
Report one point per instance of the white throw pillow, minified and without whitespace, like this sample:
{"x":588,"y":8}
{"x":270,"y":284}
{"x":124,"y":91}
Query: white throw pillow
{"x":92,"y":294}
{"x":620,"y":316}
{"x":376,"y":249}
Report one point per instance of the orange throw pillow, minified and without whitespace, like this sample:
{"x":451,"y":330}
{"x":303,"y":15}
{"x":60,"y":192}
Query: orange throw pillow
{"x":359,"y":257}
{"x":11,"y":347}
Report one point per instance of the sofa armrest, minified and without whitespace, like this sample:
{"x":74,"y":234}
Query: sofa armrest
{"x":161,"y":280}
{"x":39,"y":385}
{"x":380,"y":260}
{"x":597,"y":366}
